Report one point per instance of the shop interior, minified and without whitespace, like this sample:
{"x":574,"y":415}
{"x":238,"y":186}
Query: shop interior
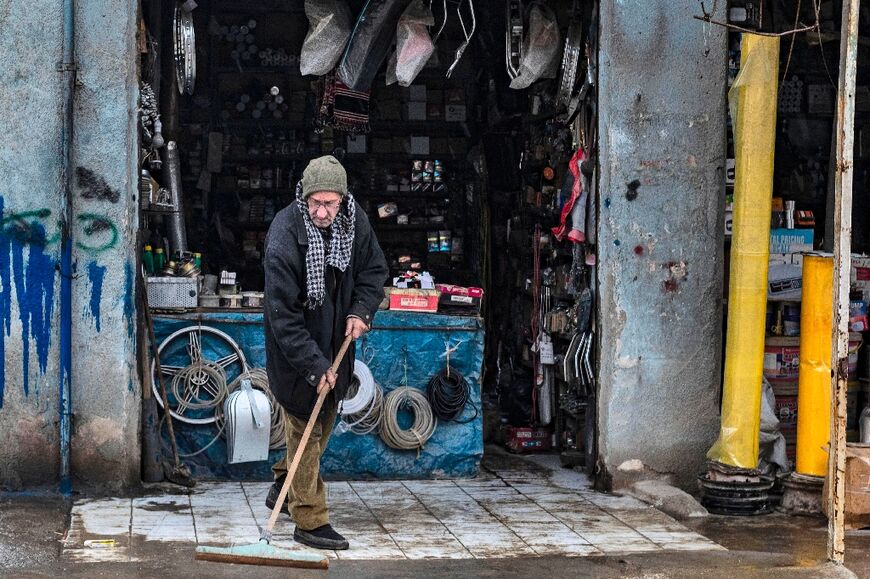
{"x":468,"y":132}
{"x":808,"y":70}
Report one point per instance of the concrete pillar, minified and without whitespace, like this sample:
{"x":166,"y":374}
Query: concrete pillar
{"x":31,"y":197}
{"x":662,"y":106}
{"x":105,"y":390}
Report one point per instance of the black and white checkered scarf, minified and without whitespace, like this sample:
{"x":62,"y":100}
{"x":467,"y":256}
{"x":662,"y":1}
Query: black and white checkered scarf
{"x":340,"y":246}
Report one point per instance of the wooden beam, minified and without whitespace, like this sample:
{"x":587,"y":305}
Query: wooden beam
{"x":842,"y":234}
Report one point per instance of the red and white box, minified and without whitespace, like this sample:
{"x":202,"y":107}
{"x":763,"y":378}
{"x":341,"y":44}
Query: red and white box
{"x":414,"y":300}
{"x":454,"y":296}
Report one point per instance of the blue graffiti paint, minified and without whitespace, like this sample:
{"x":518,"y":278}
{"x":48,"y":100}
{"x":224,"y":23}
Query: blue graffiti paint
{"x":130,"y":309}
{"x":34,"y":291}
{"x":130,"y":301}
{"x":96,"y":273}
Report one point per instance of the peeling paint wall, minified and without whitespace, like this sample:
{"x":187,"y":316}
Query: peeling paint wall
{"x":662,"y":126}
{"x":105,"y":392}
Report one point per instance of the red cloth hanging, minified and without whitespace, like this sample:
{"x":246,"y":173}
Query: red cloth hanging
{"x":573,"y":228}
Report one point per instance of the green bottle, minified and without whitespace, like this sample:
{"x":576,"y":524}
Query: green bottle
{"x":148,"y":260}
{"x":159,"y":260}
{"x":197,"y":261}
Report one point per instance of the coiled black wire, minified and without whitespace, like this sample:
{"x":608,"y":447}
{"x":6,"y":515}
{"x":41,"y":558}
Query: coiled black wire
{"x":448,"y":394}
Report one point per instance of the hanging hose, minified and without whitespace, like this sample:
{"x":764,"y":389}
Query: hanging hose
{"x":424,"y":422}
{"x":365,"y":390}
{"x":448,"y":394}
{"x":369,"y":418}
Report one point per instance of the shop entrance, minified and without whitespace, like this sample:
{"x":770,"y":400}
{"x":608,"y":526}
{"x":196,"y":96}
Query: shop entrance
{"x":476,"y":169}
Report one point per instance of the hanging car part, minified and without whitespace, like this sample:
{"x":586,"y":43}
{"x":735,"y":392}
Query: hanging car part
{"x":172,"y":176}
{"x":200,"y":385}
{"x":466,"y":33}
{"x":514,"y":37}
{"x":443,"y":23}
{"x":571,"y":59}
{"x":185,"y":50}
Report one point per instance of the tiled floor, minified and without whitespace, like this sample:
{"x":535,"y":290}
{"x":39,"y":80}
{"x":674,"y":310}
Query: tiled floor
{"x":503,"y":513}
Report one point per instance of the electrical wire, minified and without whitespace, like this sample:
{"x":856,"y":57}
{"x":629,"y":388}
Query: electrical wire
{"x":365,"y":390}
{"x":424,"y":422}
{"x":368,"y":420}
{"x":191,"y":380}
{"x":448,"y":393}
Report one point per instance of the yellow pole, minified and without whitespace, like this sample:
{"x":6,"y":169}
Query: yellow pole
{"x":814,"y":375}
{"x":752,"y":99}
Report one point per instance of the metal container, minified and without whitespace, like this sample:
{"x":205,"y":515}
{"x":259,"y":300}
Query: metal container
{"x":172,"y":292}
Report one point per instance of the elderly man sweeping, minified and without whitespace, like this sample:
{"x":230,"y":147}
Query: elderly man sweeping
{"x":325,"y":275}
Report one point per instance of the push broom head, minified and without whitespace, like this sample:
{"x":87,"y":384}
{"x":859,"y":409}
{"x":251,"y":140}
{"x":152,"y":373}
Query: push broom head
{"x":262,"y":553}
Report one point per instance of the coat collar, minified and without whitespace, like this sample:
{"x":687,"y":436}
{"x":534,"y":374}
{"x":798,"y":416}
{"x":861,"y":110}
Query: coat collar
{"x":298,"y":224}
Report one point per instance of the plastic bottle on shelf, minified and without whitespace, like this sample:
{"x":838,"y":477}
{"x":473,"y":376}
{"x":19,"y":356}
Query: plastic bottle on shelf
{"x":159,"y":260}
{"x":148,"y":260}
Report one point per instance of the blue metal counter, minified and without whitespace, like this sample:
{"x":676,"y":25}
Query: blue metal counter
{"x":397,"y":340}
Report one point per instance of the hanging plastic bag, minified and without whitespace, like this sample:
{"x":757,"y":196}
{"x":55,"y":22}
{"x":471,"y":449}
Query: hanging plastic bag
{"x":369,"y":43}
{"x":540,"y":46}
{"x":413,"y":44}
{"x":328,"y":31}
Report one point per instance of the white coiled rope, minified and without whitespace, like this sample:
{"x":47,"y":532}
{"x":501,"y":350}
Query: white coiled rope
{"x":424,"y":422}
{"x":365,"y":390}
{"x":369,"y":419}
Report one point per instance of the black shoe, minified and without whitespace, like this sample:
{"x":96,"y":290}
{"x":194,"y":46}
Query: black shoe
{"x":272,"y":497}
{"x":323,"y":537}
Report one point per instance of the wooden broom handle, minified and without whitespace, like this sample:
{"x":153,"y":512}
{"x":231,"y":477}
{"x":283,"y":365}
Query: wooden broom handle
{"x":303,"y":442}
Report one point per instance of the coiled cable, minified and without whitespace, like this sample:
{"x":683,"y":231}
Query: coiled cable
{"x":424,"y":421}
{"x":448,"y":393}
{"x":364,"y":392}
{"x":369,"y":418}
{"x":189,"y":382}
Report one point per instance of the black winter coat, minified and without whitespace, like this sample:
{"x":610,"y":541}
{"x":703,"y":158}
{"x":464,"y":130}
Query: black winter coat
{"x":301,"y":342}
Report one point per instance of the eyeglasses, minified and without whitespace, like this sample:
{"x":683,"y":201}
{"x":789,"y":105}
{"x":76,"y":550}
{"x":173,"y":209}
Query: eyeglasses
{"x":314,"y":205}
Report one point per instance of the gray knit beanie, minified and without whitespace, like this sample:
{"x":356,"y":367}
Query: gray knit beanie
{"x":324,"y":174}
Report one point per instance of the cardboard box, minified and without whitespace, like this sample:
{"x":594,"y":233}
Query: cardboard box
{"x":784,"y":282}
{"x":413,"y":300}
{"x":791,"y":240}
{"x":458,"y":298}
{"x":527,"y":439}
{"x":857,"y":494}
{"x":860,"y":272}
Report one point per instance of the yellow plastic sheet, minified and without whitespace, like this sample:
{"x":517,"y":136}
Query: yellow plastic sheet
{"x":814,"y":377}
{"x":752,"y":101}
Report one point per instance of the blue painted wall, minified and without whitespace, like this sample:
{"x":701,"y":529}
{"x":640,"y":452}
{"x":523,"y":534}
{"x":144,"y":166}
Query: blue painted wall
{"x":104,"y":155}
{"x":453,"y":451}
{"x":662,"y":156}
